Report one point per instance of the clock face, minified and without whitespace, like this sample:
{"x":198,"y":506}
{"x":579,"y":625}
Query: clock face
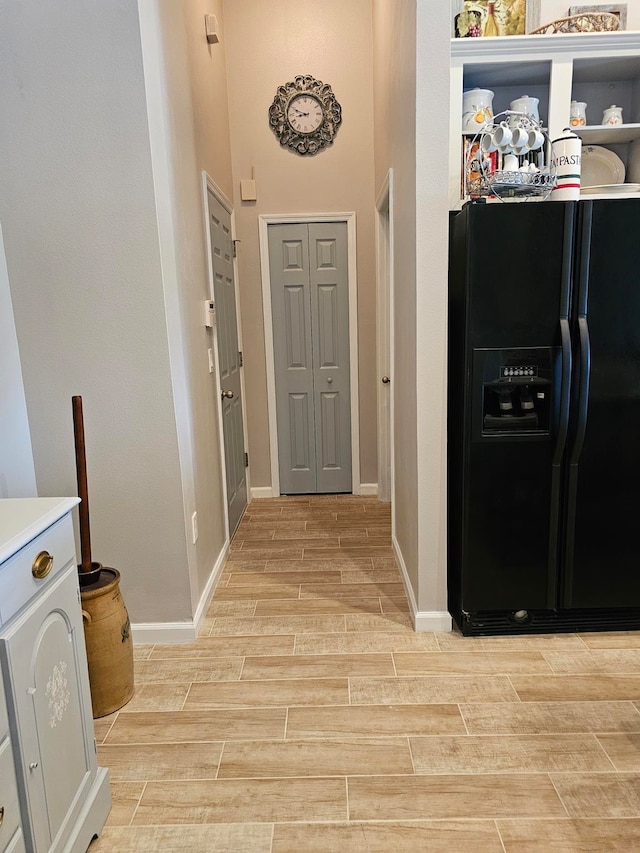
{"x":304,"y":114}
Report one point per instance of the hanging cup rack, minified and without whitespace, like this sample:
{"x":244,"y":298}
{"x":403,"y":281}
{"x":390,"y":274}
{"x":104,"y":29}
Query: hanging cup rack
{"x":511,"y":158}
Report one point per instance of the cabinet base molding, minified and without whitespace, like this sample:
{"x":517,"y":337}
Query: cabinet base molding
{"x":93,"y":816}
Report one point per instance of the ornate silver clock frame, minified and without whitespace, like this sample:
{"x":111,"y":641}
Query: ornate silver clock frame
{"x":320,"y":137}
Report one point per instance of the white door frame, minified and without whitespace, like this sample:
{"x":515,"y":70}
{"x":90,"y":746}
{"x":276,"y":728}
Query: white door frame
{"x":209,"y":185}
{"x":296,"y":219}
{"x":384,"y":340}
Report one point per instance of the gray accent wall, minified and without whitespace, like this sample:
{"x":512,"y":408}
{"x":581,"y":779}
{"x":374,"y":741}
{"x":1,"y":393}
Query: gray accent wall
{"x":99,"y":310}
{"x":17,"y":475}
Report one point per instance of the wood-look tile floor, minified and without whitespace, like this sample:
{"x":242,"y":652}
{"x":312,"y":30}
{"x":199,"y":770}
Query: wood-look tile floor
{"x":310,"y":718}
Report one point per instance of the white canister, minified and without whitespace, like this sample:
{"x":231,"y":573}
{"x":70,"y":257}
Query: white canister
{"x":477,"y":109}
{"x":567,"y":156}
{"x":612,"y":115}
{"x":578,"y":114}
{"x":527,"y":105}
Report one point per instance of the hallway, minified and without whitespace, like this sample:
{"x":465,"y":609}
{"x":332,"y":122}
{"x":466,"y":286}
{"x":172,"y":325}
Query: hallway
{"x":310,"y":718}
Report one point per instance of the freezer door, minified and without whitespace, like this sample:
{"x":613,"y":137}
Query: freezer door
{"x":602,"y":550}
{"x":505,"y":458}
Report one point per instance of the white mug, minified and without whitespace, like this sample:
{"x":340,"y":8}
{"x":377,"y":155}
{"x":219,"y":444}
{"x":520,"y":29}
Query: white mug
{"x":520,"y":140}
{"x":535,"y":139}
{"x":488,"y":143}
{"x":502,"y":135}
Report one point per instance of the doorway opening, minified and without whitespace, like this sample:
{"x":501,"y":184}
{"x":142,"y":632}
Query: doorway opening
{"x":384,"y":338}
{"x":225,"y":358}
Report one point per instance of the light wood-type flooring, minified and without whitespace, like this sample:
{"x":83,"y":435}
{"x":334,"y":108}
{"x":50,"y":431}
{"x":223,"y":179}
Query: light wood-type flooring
{"x":310,"y":718}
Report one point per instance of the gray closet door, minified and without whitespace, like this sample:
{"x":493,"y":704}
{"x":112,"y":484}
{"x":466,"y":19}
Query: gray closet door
{"x":228,"y":360}
{"x":310,"y":310}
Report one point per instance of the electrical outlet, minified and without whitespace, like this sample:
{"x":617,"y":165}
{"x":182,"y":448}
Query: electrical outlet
{"x":194,"y":527}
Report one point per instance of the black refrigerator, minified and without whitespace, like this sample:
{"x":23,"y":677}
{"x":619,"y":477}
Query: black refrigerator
{"x":544,"y":417}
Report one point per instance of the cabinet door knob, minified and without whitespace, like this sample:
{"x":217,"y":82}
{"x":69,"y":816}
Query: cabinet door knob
{"x":42,"y":565}
{"x":33,"y":765}
{"x":385,"y":380}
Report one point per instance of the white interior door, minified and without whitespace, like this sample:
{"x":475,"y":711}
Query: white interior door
{"x":310,"y":313}
{"x":229,"y":360}
{"x":384,"y":348}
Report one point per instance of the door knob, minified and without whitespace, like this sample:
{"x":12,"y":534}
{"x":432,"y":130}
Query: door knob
{"x":385,"y":380}
{"x":227,"y":394}
{"x":329,"y":380}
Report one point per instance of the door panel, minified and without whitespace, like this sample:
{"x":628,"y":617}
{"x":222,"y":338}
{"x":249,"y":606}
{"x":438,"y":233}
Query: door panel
{"x":291,"y":313}
{"x":301,"y":457}
{"x":605,"y":477}
{"x":295,"y":325}
{"x":228,"y":360}
{"x":310,"y":315}
{"x":330,"y":322}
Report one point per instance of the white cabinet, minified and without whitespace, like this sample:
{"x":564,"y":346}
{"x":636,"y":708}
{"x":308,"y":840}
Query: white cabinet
{"x":11,"y":837}
{"x":64,"y":797}
{"x":598,"y":68}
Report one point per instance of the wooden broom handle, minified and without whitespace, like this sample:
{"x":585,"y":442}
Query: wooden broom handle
{"x":83,"y":493}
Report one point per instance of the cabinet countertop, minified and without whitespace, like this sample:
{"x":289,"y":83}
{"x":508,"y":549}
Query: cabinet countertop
{"x":21,"y":519}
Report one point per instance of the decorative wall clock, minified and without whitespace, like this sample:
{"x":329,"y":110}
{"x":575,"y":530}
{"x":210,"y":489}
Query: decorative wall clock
{"x":305,"y":115}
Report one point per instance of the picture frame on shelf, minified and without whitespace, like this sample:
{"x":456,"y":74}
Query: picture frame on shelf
{"x":618,"y":9}
{"x":513,"y":17}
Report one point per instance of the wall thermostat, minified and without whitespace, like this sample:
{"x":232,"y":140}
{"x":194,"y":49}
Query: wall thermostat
{"x":209,"y":313}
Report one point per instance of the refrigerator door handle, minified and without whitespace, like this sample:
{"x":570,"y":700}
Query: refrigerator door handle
{"x":583,"y":388}
{"x":565,"y":390}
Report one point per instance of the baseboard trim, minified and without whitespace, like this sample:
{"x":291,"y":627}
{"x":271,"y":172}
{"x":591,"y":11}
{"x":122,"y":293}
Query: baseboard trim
{"x":210,"y":588}
{"x":369,"y":489}
{"x":261,"y":492}
{"x":423,"y":620}
{"x":432,"y":620}
{"x":148,"y":633}
{"x":169,"y":633}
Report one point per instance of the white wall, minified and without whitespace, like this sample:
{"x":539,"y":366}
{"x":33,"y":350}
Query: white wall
{"x":171,"y":33}
{"x":395,"y":147}
{"x":432,"y":261}
{"x":17,"y":475}
{"x":412,"y":73}
{"x":268,"y":44}
{"x":81,"y":238}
